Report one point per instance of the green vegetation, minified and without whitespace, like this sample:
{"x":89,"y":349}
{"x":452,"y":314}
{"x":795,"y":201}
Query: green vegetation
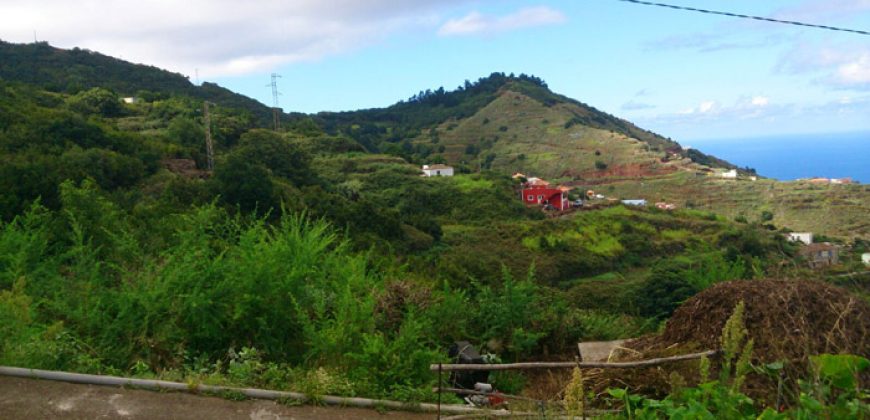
{"x":316,"y":258}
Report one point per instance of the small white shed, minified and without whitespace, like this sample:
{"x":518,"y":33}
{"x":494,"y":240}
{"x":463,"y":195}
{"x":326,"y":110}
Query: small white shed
{"x":437,"y":170}
{"x":805,"y":237}
{"x":732,"y":174}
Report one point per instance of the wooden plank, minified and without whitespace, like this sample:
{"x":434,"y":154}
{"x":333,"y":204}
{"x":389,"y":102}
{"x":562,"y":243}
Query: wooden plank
{"x":563,"y":365}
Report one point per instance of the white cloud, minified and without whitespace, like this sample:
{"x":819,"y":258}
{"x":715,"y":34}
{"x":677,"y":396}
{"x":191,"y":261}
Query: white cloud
{"x":477,"y":23}
{"x":757,"y":107}
{"x":760,"y":101}
{"x":856,"y":71}
{"x":838,"y":65}
{"x":706,"y":106}
{"x":219,"y":37}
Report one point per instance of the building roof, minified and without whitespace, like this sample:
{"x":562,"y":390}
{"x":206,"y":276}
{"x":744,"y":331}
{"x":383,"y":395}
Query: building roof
{"x":436,"y":166}
{"x":822,"y":246}
{"x":537,"y":181}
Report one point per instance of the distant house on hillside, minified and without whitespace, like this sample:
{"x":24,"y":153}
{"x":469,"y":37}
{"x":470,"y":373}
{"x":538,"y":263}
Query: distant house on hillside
{"x":732,"y":174}
{"x":821,"y":254}
{"x":805,"y":237}
{"x":817,"y":180}
{"x":518,"y":175}
{"x":131,"y":100}
{"x":639,"y":203}
{"x":538,"y":191}
{"x":437,"y":170}
{"x":865,"y":258}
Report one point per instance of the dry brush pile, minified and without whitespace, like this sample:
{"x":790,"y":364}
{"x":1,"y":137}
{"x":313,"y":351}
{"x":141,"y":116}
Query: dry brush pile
{"x":789,"y":321}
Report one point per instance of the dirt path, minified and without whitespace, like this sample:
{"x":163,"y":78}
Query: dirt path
{"x":37,"y":399}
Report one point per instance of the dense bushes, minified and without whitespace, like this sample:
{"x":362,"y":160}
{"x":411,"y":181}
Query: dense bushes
{"x":76,"y":284}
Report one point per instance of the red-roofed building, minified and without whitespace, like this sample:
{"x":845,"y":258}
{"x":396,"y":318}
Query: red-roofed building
{"x":537,"y":191}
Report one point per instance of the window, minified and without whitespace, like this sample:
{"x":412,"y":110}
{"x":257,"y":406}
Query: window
{"x":437,"y":172}
{"x":540,"y":197}
{"x":531,"y":198}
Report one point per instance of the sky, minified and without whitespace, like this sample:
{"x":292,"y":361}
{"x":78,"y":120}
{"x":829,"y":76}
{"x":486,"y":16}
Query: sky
{"x":685,"y":75}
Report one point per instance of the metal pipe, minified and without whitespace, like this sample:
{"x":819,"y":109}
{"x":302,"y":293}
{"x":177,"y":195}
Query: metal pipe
{"x":263,"y":394}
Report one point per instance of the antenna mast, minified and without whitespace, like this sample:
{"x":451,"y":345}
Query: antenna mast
{"x":275,"y":108}
{"x":209,"y":147}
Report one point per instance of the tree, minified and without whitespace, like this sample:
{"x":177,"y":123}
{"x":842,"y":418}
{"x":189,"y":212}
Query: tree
{"x":665,"y":289}
{"x":245,"y":184}
{"x":186,"y":132}
{"x":276,"y":153}
{"x":96,"y":101}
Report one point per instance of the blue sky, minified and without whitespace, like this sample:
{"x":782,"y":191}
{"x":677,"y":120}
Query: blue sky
{"x":685,"y":75}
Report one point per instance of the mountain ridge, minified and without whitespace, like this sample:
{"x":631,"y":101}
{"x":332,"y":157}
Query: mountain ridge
{"x":71,"y":70}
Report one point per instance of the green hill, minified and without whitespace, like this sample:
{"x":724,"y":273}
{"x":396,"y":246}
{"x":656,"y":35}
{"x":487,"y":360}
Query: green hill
{"x":316,"y":258}
{"x":70,"y":71}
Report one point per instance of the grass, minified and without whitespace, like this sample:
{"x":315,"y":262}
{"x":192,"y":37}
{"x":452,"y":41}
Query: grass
{"x":543,"y":149}
{"x":832,"y":210}
{"x":467,"y":183}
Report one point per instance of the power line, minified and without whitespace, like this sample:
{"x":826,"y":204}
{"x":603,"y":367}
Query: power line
{"x":737,"y":15}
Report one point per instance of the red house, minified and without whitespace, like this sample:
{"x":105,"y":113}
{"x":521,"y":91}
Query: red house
{"x":538,"y":191}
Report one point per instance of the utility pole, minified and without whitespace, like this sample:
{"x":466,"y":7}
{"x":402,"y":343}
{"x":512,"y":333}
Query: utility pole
{"x":275,"y":108}
{"x":209,"y":147}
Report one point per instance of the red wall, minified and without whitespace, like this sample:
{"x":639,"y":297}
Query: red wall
{"x":554,"y":195}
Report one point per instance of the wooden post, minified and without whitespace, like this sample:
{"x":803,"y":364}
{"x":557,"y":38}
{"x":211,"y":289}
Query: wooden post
{"x":209,"y":147}
{"x":439,"y":391}
{"x":583,"y":407}
{"x":562,"y":365}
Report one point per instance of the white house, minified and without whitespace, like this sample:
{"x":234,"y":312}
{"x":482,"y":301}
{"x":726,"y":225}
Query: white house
{"x":130,"y":100}
{"x":865,"y":258}
{"x":805,"y":237}
{"x":732,"y":174}
{"x":639,"y":203}
{"x":437,"y":170}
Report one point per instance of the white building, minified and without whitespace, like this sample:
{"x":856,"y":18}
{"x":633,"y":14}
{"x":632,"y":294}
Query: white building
{"x":865,"y":258}
{"x":130,"y":100}
{"x":732,"y":174}
{"x":805,"y":237}
{"x":437,"y":170}
{"x":639,"y":203}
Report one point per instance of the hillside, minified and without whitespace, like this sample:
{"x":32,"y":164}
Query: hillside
{"x":515,"y":124}
{"x":316,"y":258}
{"x":61,"y":70}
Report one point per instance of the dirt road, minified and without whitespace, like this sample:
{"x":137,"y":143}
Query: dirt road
{"x":37,"y":399}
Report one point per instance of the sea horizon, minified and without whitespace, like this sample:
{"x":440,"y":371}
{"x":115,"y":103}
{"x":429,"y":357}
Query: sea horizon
{"x":796,"y":156}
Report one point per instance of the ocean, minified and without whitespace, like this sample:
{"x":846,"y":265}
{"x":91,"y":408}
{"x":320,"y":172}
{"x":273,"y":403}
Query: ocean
{"x":785,"y":158}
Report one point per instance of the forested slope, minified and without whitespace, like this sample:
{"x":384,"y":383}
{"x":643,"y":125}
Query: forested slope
{"x":316,"y":258}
